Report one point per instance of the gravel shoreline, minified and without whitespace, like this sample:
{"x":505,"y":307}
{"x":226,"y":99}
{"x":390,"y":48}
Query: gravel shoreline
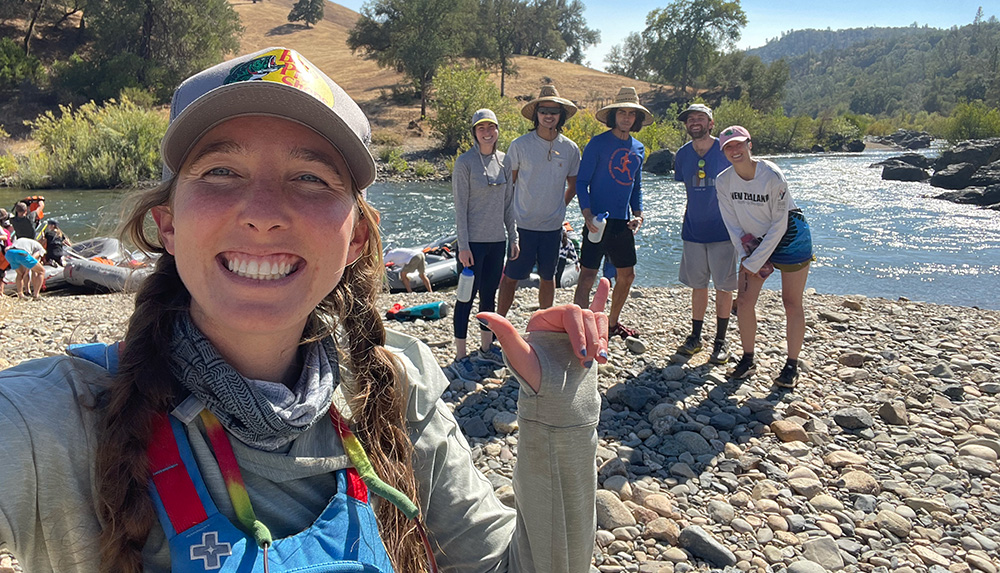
{"x":883,"y":459}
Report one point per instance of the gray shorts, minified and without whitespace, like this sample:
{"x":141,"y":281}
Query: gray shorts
{"x":701,"y":261}
{"x":417,"y":263}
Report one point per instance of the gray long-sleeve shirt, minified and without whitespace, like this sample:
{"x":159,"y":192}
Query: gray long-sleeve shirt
{"x":482,"y":187}
{"x":48,"y":498}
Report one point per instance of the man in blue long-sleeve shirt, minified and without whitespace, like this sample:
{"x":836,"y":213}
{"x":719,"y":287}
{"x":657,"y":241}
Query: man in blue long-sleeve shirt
{"x":610,"y":181}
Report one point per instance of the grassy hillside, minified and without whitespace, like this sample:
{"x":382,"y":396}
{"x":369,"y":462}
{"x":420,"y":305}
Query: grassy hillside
{"x":325,"y":45}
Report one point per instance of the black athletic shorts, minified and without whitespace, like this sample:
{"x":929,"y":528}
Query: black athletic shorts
{"x":618,"y":244}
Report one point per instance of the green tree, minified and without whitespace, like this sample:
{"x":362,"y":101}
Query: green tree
{"x":15,"y":67}
{"x":308,"y":11}
{"x":629,"y":58}
{"x":493,"y":45}
{"x":740,"y":74}
{"x":554,"y":29}
{"x":685,"y":35}
{"x":973,"y":120}
{"x":459,"y":92}
{"x":161,"y":42}
{"x":413,"y":37}
{"x":574,"y":31}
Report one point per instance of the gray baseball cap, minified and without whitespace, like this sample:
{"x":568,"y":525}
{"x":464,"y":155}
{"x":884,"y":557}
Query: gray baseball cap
{"x":277,"y":82}
{"x":682,"y":116}
{"x":482,"y":115}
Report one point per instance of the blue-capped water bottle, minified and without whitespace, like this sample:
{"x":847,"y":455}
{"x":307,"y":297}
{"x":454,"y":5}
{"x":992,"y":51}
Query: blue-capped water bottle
{"x":600,"y":221}
{"x":465,"y":281}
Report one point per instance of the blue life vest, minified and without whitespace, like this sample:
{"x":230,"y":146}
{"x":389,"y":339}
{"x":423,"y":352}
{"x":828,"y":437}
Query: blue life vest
{"x":344,"y":538}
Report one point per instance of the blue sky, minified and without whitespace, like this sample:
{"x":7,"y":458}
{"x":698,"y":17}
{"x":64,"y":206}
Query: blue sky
{"x":769,"y":18}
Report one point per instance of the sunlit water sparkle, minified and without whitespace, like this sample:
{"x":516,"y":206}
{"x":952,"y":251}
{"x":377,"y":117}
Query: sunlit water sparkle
{"x":872,"y":237}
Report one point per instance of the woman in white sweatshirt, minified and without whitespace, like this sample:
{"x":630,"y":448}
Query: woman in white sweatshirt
{"x":765,"y":225}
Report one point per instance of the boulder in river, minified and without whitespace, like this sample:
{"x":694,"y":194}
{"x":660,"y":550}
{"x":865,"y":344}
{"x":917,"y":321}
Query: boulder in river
{"x":978,"y":152}
{"x":956,"y":176}
{"x":987,"y":175}
{"x":914,"y":159}
{"x":900,"y":171}
{"x":987,"y":197}
{"x":659,"y":162}
{"x":854,"y":146}
{"x":907,"y":139}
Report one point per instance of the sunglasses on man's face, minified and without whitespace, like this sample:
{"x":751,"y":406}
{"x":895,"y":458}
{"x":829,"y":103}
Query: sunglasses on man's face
{"x":549,"y":110}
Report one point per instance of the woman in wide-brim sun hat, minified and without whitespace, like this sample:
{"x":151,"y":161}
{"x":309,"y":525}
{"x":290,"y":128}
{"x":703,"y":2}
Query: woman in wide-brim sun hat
{"x":765,"y":225}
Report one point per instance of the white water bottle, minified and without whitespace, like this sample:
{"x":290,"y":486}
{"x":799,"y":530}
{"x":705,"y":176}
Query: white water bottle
{"x":600,"y":221}
{"x":465,"y":281}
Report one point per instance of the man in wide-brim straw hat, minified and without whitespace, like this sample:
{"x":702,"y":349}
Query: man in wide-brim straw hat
{"x":609,"y":185}
{"x":543,"y":165}
{"x":548,"y":93}
{"x":626,"y":98}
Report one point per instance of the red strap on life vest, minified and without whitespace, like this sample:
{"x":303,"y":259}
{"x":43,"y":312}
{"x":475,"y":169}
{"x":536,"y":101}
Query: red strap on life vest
{"x":356,"y":488}
{"x":173,"y":483}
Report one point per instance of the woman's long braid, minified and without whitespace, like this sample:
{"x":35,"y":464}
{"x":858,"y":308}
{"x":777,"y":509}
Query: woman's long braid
{"x":142,"y":388}
{"x":379,"y":403}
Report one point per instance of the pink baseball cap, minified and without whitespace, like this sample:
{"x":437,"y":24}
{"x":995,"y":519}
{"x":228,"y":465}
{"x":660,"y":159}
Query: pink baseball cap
{"x":733,"y":133}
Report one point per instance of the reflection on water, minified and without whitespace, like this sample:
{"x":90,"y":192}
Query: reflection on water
{"x":873,"y":237}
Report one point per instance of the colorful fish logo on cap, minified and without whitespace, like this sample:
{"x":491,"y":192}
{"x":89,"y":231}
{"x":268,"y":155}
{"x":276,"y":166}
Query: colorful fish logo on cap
{"x":255,"y":69}
{"x":284,"y":67}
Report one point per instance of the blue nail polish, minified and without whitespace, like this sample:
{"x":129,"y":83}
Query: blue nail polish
{"x":483,"y":322}
{"x":588,"y":364}
{"x":583,"y":352}
{"x":603,"y":354}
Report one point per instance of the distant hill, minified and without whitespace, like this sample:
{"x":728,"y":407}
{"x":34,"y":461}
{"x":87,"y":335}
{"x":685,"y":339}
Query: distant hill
{"x":916,"y":70}
{"x":796,"y":43}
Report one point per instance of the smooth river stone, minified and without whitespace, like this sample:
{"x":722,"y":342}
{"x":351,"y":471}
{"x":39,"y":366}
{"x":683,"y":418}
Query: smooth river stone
{"x":860,"y":482}
{"x":893,"y":522}
{"x":824,"y":502}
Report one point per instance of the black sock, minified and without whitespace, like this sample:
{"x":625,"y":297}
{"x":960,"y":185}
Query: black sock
{"x":794,"y":363}
{"x":696,"y":328}
{"x":747,"y":356}
{"x":721,"y":324}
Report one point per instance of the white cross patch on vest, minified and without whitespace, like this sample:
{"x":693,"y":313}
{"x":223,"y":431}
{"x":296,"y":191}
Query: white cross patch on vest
{"x":210,"y":550}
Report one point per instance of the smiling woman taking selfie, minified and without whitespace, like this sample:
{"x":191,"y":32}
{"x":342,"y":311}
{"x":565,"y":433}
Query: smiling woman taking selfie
{"x":257,"y":416}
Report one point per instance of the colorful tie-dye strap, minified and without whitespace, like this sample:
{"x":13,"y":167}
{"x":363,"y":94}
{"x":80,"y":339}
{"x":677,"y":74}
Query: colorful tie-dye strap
{"x":356,"y":452}
{"x":234,"y":479}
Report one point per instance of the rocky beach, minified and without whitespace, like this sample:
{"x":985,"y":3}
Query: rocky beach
{"x":883,"y":459}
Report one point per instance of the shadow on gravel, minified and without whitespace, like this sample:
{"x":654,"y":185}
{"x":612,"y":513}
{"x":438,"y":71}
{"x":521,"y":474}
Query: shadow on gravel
{"x":673,"y":423}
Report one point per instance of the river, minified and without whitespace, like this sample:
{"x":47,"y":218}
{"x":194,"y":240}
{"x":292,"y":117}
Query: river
{"x":875,"y":238}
